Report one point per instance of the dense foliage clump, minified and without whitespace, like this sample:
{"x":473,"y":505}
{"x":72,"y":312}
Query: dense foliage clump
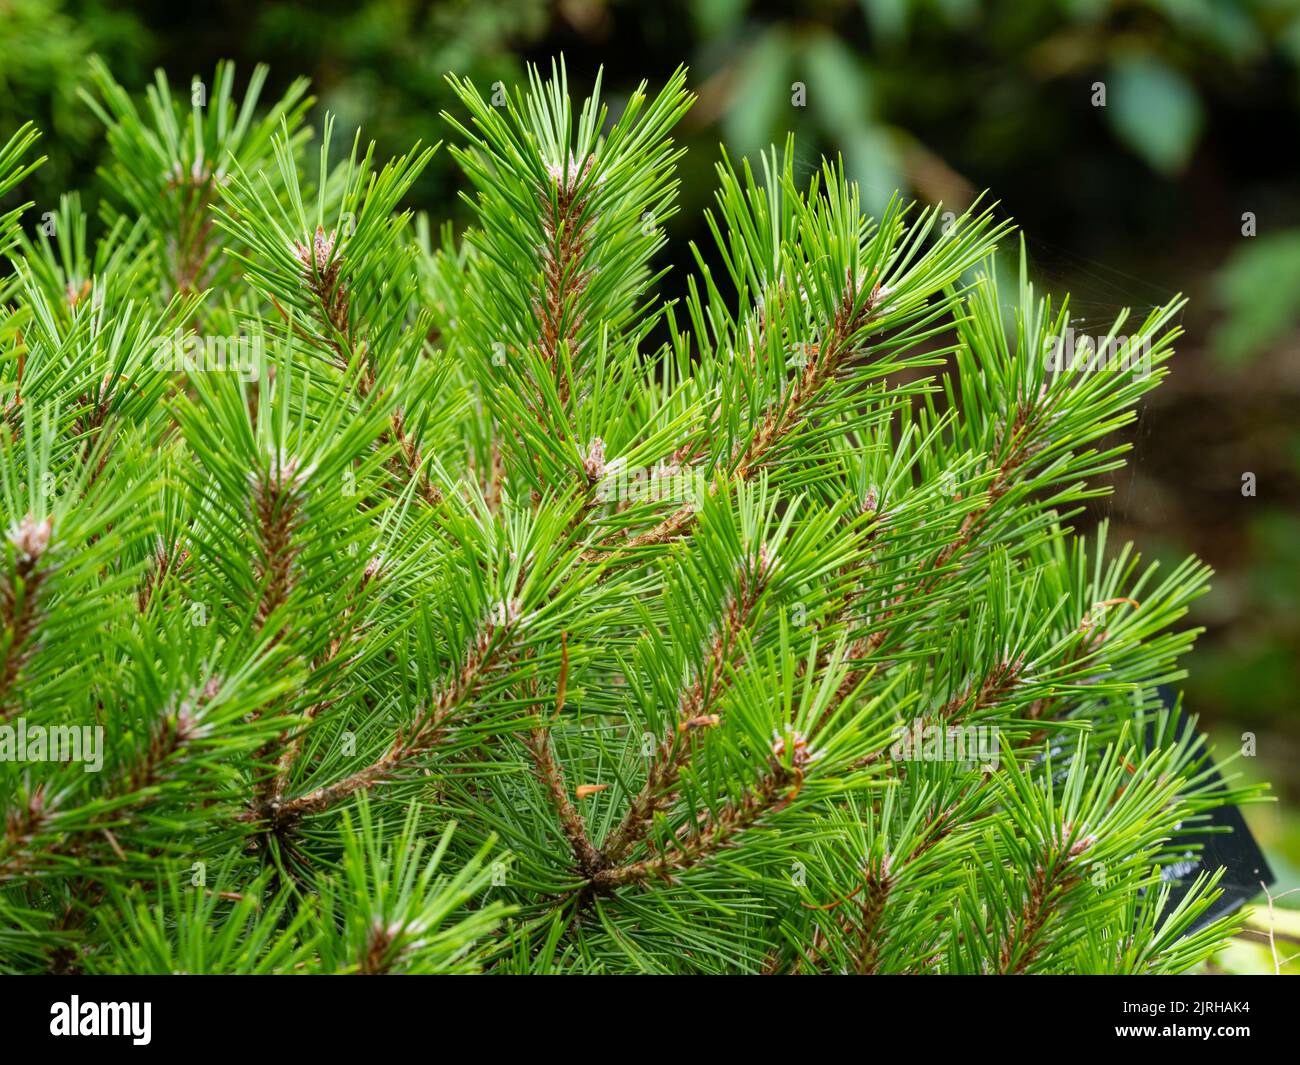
{"x":459,"y":604}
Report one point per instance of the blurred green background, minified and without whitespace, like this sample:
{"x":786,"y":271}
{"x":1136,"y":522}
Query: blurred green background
{"x":1122,"y":205}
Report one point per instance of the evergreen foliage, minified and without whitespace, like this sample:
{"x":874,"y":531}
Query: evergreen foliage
{"x":454,"y":604}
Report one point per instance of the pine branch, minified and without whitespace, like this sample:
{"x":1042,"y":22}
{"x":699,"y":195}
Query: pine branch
{"x":637,"y":591}
{"x":774,"y":791}
{"x":20,"y":591}
{"x":551,"y":773}
{"x":429,"y":730}
{"x":696,"y":711}
{"x":1023,"y":941}
{"x":135,"y":788}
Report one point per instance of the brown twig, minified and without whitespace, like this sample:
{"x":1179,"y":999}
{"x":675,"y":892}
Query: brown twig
{"x":775,"y":790}
{"x":291,"y":741}
{"x":1023,"y":941}
{"x":564,"y":278}
{"x":1020,"y":448}
{"x":785,"y":413}
{"x":323,"y":275}
{"x":695,"y":713}
{"x":20,"y":595}
{"x":427,"y":733}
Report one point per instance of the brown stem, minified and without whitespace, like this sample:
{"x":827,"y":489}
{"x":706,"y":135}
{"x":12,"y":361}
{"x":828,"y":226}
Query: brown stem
{"x":191,"y":247}
{"x":877,"y":884}
{"x":323,"y":276}
{"x":775,"y":790}
{"x":165,"y":563}
{"x":19,"y":598}
{"x":1020,"y":450}
{"x":551,"y":774}
{"x":277,"y":507}
{"x":166,"y":742}
{"x":277,"y":513}
{"x":1023,"y":941}
{"x":694,"y":714}
{"x":429,"y":730}
{"x":787,"y":411}
{"x":563,"y":277}
{"x":291,"y":741}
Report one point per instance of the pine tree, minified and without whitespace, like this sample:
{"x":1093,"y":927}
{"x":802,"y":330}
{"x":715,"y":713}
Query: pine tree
{"x":459,"y":603}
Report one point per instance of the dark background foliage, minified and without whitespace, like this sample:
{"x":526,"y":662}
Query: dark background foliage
{"x":1122,"y":205}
